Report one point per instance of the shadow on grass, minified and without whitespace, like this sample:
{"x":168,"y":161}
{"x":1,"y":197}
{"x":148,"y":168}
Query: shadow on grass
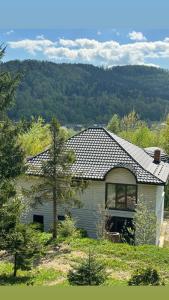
{"x":11,"y":280}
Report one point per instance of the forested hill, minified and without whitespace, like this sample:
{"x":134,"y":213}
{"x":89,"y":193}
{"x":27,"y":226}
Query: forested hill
{"x":78,"y":93}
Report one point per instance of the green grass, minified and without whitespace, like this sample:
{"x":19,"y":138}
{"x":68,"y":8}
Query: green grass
{"x":37,"y":276}
{"x":120,"y":260}
{"x":126,"y":258}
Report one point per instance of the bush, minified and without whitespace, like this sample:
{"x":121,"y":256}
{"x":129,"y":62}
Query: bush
{"x":82,"y":233}
{"x":90,"y":272}
{"x":146,"y":276}
{"x":67,"y":228}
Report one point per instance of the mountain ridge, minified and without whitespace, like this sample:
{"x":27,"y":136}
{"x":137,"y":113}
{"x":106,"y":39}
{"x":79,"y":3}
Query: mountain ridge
{"x":86,"y":94}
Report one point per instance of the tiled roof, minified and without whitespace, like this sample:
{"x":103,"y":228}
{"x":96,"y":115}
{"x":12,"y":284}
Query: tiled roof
{"x":150,"y":151}
{"x":98,"y":151}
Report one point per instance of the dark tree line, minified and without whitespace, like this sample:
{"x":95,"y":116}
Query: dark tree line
{"x":77,"y":93}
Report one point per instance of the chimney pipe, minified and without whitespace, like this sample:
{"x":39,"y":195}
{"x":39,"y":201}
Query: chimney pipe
{"x":157,"y":156}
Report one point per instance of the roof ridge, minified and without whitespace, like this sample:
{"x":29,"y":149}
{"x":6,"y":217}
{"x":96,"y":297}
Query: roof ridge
{"x":112,"y":137}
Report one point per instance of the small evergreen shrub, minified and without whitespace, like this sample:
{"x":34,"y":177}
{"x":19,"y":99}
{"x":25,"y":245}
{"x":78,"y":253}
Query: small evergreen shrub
{"x":148,"y":276}
{"x":90,"y":272}
{"x":67,"y":228}
{"x":82,"y":233}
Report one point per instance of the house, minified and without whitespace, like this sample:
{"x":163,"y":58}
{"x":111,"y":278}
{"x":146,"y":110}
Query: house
{"x":119,"y":174}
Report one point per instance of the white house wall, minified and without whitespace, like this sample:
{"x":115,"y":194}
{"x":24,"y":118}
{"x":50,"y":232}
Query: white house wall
{"x":93,"y":201}
{"x":159,"y":210}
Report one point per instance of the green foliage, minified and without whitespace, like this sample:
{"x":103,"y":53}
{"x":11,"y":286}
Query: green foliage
{"x":37,"y":138}
{"x":142,"y":136}
{"x":165,"y":135}
{"x":166,"y":199}
{"x":146,"y":276}
{"x":35,"y":135}
{"x":67,"y":228}
{"x":136,"y":131}
{"x":19,"y":240}
{"x":130,"y":121}
{"x":78,"y":93}
{"x":145,"y":223}
{"x":82,"y":233}
{"x":114,"y":124}
{"x":90,"y":272}
{"x":12,"y":157}
{"x":58,"y":183}
{"x":120,"y":260}
{"x":8,"y":86}
{"x":36,"y":277}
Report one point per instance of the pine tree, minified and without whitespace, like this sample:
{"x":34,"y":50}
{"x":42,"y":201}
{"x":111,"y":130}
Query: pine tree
{"x":11,"y":154}
{"x":146,"y":276}
{"x":8,"y":86}
{"x":89,"y":272}
{"x":58,"y":183}
{"x":114,"y":124}
{"x":14,"y":237}
{"x":11,"y":160}
{"x":18,"y":240}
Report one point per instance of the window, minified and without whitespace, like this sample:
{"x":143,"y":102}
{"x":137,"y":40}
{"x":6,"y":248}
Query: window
{"x":61,"y":218}
{"x":38,"y":219}
{"x":121,"y":196}
{"x":117,"y":224}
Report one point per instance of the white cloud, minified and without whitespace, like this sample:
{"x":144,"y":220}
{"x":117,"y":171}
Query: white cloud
{"x":40,"y":37}
{"x":9,"y":32}
{"x":136,"y":36}
{"x":99,"y":32}
{"x":108,"y":53}
{"x":32,"y":46}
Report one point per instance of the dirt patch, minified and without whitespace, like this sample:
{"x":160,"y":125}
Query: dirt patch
{"x":55,"y":282}
{"x":79,"y":254}
{"x":60,"y":263}
{"x":120,"y":275}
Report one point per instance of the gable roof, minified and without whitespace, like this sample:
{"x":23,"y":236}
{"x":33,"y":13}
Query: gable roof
{"x":98,"y":151}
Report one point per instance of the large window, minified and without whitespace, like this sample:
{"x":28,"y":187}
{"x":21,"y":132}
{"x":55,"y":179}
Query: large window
{"x":121,"y":196}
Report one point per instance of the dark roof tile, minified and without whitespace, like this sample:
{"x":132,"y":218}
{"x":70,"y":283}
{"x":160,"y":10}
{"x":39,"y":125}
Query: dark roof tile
{"x":98,"y":151}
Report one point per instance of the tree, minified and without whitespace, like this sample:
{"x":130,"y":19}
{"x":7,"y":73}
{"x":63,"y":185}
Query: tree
{"x":145,"y":223}
{"x":18,"y":240}
{"x":67,"y":228}
{"x":131,"y":121}
{"x":114,"y":124}
{"x":57,"y":182}
{"x":35,"y":135}
{"x":147,"y":276}
{"x":11,"y":155}
{"x":36,"y":138}
{"x":12,"y":234}
{"x":142,"y":136}
{"x":165,"y":135}
{"x":8,"y":86}
{"x":90,"y":272}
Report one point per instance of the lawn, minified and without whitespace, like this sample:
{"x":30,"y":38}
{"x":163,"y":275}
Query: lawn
{"x":120,"y":260}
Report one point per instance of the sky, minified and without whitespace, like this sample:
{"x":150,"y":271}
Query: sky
{"x":104,"y":33}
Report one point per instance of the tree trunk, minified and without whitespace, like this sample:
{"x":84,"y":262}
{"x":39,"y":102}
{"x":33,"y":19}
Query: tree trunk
{"x":15,"y":265}
{"x":55,"y":214}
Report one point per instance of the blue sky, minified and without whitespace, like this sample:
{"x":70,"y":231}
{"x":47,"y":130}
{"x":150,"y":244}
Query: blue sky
{"x":84,"y":13}
{"x":99,"y":32}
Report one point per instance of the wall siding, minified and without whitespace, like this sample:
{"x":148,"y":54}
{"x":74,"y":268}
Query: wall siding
{"x":92,"y":198}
